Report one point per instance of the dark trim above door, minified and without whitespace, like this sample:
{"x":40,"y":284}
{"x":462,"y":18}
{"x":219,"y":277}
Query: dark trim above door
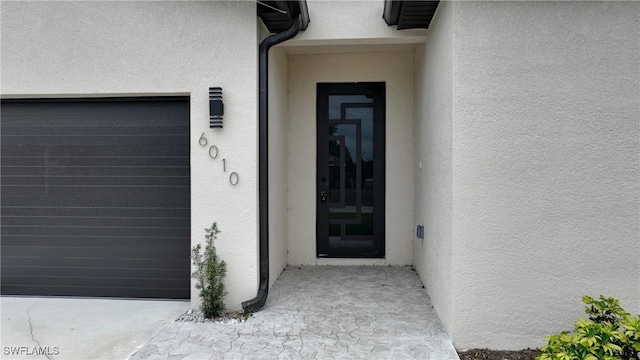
{"x":350,"y":181}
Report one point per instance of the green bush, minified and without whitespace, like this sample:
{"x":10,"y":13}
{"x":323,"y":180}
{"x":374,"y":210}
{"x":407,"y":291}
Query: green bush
{"x":610,"y":333}
{"x":209,"y":274}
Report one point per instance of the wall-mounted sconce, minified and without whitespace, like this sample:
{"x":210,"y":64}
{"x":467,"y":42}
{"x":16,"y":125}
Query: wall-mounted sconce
{"x":420,"y":232}
{"x":216,"y":107}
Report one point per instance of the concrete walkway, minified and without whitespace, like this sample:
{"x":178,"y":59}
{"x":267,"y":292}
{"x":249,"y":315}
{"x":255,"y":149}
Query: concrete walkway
{"x":321,"y":312}
{"x":66,"y":328}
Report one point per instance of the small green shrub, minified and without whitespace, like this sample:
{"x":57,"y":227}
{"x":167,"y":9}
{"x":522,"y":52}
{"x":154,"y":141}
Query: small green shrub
{"x":609,"y":334}
{"x":209,"y":274}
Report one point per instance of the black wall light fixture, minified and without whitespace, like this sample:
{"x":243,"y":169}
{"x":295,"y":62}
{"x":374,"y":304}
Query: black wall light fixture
{"x":216,"y":107}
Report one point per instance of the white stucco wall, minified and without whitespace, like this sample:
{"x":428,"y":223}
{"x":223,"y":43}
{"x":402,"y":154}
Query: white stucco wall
{"x":305,"y":71}
{"x":278,"y":157}
{"x":546,"y":166}
{"x":527,"y":125}
{"x":77,"y":49}
{"x":432,"y":257}
{"x":351,"y":23}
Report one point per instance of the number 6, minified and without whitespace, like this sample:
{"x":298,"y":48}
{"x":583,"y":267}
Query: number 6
{"x":203,"y":140}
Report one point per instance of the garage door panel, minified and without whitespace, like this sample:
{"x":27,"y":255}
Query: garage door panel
{"x":90,"y":161}
{"x":106,"y":202}
{"x":87,"y":130}
{"x":99,"y":140}
{"x":95,"y":171}
{"x":97,"y":180}
{"x":96,"y":241}
{"x":57,"y":286}
{"x":9,"y":161}
{"x":78,"y":230}
{"x":87,"y":252}
{"x":160,"y":213}
{"x":130,"y":282}
{"x":96,"y":197}
{"x":92,"y":150}
{"x":99,"y":272}
{"x":143,"y":222}
{"x":82,"y":263}
{"x":93,"y":291}
{"x":137,"y":109}
{"x":39,"y":171}
{"x":130,"y":171}
{"x":97,"y":191}
{"x":87,"y":120}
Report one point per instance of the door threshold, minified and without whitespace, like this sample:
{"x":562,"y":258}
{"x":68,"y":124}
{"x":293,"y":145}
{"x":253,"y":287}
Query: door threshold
{"x":351,"y":261}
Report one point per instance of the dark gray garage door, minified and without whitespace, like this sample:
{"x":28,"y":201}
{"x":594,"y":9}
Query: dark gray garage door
{"x":96,"y":197}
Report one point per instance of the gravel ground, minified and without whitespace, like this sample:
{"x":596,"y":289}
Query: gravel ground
{"x":197,"y":316}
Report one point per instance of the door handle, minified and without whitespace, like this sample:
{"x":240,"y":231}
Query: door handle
{"x":323,"y":196}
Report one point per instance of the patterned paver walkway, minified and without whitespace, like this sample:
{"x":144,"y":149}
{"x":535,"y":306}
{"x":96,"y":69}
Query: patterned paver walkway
{"x":321,"y":312}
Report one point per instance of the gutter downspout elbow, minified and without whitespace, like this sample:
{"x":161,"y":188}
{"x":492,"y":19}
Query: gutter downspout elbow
{"x":258,"y":302}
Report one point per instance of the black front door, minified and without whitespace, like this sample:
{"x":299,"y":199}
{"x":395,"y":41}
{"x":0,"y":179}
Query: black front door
{"x":351,"y":167}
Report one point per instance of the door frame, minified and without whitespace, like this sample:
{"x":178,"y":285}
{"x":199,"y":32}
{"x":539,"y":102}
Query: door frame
{"x":378,"y":91}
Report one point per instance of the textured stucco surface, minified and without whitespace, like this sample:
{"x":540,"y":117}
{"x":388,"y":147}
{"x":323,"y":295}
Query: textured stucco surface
{"x":305,"y":71}
{"x":278,"y":147}
{"x":546,"y":166}
{"x":526,"y":124}
{"x":433,"y":151}
{"x":351,"y":23}
{"x":138,"y":48}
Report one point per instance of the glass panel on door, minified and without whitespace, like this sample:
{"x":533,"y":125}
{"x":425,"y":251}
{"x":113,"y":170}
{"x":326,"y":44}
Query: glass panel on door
{"x":348,"y":120}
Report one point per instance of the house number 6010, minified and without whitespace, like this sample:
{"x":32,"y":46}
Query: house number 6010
{"x":234,"y":178}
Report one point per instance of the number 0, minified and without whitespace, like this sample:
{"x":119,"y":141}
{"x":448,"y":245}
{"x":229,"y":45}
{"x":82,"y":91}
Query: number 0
{"x":215,"y":153}
{"x":234,"y":178}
